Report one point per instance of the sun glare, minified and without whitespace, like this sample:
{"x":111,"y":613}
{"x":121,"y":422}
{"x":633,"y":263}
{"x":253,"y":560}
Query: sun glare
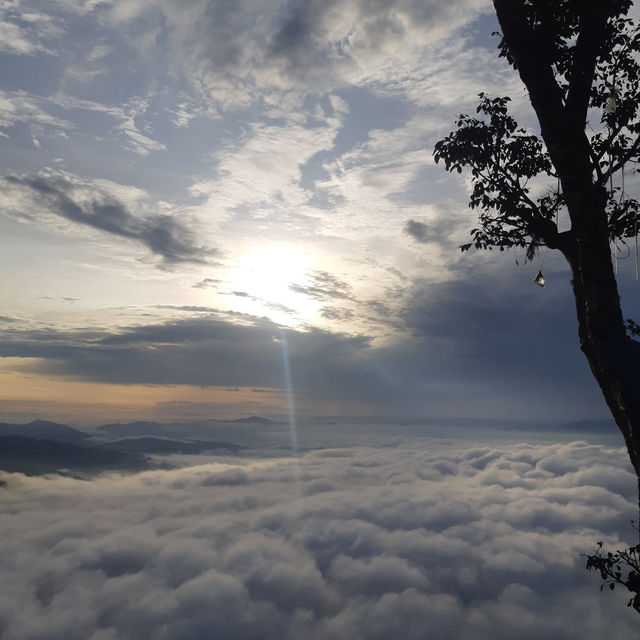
{"x":261,"y":282}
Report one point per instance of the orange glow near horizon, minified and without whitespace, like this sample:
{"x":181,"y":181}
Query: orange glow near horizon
{"x":26,"y":394}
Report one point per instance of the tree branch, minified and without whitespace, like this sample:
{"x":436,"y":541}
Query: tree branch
{"x":627,"y":156}
{"x":590,"y":40}
{"x":545,"y":94}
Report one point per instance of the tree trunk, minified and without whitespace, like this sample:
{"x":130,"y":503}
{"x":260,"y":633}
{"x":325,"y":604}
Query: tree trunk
{"x":613,"y":357}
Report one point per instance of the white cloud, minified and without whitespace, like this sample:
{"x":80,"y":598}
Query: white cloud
{"x":36,"y":111}
{"x":411,"y":538}
{"x":13,"y":40}
{"x":20,"y":106}
{"x":264,"y":167}
{"x":24,"y":29}
{"x":125,"y":115}
{"x":234,"y":52}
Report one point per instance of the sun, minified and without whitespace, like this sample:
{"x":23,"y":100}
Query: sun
{"x":261,"y":280}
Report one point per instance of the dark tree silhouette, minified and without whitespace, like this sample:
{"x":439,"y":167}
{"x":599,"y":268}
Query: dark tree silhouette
{"x":619,"y":568}
{"x":579,"y":61}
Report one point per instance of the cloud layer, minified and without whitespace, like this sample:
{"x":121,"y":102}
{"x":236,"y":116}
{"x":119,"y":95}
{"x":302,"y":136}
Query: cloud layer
{"x":412,"y":538}
{"x":459,"y":350}
{"x":95,"y":205}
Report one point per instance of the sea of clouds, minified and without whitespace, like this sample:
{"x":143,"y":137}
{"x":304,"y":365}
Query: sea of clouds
{"x":408,"y":537}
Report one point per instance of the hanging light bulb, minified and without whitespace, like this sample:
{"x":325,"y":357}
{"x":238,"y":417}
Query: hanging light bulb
{"x":612,"y":103}
{"x":539,"y":279}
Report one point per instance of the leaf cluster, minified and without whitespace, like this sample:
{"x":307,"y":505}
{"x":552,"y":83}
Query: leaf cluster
{"x":633,"y":328}
{"x":619,"y":568}
{"x":515,"y":186}
{"x":556,"y":25}
{"x":503,"y":158}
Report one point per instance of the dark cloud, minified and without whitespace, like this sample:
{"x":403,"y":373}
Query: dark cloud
{"x":203,"y":350}
{"x":324,"y":286}
{"x":397,"y":273}
{"x":438,"y":232}
{"x":274,"y":306}
{"x":413,"y":538}
{"x":296,"y":30}
{"x":469,"y":348}
{"x":161,"y":234}
{"x":500,"y":327}
{"x":206,"y":283}
{"x":381,"y":309}
{"x":187,"y":307}
{"x":313,"y":37}
{"x":489,"y":344}
{"x":335,"y":313}
{"x":419,"y":231}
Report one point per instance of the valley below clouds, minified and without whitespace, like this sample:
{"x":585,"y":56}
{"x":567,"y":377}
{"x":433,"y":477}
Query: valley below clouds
{"x":391,"y":533}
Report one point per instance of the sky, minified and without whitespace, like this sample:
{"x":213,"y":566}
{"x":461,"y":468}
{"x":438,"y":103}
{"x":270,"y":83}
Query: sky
{"x":212,"y":209}
{"x":204,"y":199}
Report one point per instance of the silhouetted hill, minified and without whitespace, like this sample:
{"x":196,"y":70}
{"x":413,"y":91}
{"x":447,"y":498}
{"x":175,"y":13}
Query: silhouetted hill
{"x":591,"y":426}
{"x":43,"y":429}
{"x":149,"y":444}
{"x":37,"y":456}
{"x":119,"y":429}
{"x":198,"y":430}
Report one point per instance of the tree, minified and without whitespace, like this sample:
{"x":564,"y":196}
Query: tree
{"x":578,"y":60}
{"x":619,"y":568}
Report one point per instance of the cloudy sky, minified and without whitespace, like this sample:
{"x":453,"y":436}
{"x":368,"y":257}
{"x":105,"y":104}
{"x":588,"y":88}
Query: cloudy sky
{"x":196,"y":193}
{"x":221,"y":208}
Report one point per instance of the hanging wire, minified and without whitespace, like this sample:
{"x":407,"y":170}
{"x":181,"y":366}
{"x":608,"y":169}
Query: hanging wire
{"x":610,"y":107}
{"x":635,"y":222}
{"x":636,"y":243}
{"x":620,"y":199}
{"x":539,"y":279}
{"x":635,"y":226}
{"x":558,"y":202}
{"x":615,"y":250}
{"x":610,"y":175}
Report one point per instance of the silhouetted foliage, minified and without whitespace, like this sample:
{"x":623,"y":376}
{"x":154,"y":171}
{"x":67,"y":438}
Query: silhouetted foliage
{"x":509,"y":164}
{"x":580,"y":63}
{"x":633,"y":327}
{"x":619,"y":568}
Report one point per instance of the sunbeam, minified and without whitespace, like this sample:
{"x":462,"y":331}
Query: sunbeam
{"x":293,"y":430}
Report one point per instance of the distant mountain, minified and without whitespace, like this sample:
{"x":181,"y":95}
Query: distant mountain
{"x":141,"y":428}
{"x":591,"y":426}
{"x":149,"y":444}
{"x":191,"y":430}
{"x":43,"y":429}
{"x":33,"y":456}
